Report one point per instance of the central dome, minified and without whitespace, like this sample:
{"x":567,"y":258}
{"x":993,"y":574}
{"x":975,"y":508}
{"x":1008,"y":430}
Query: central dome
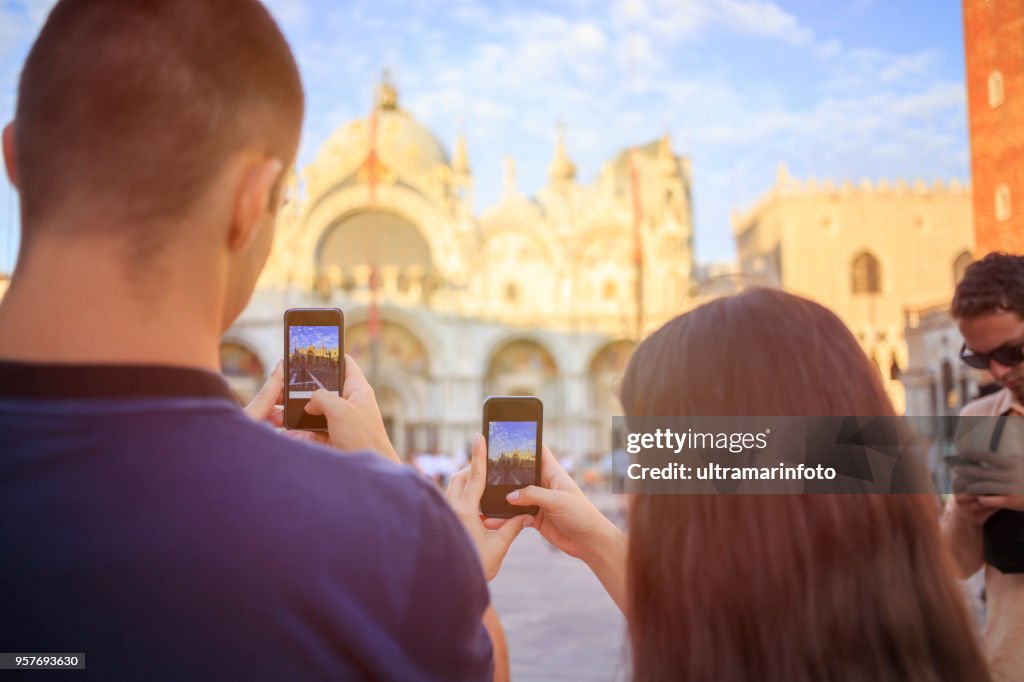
{"x":403,"y":144}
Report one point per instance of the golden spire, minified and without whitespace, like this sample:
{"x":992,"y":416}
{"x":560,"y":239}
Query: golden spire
{"x":460,"y":158}
{"x":387,"y":94}
{"x":562,"y":168}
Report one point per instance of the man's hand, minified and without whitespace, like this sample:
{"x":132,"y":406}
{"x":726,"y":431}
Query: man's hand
{"x":464,"y":493}
{"x":996,"y":480}
{"x":266,"y":405}
{"x":983,"y":483}
{"x":961,"y":526}
{"x":353,"y":418}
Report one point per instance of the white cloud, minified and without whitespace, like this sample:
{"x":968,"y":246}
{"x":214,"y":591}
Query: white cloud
{"x":828,"y":49}
{"x":691,"y":19}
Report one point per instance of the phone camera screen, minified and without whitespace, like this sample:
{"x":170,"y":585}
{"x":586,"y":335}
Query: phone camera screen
{"x":314,"y":360}
{"x":512,"y":453}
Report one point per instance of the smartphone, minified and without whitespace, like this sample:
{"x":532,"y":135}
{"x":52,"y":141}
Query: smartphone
{"x":513,"y":429}
{"x":314,"y":358}
{"x":958,"y":461}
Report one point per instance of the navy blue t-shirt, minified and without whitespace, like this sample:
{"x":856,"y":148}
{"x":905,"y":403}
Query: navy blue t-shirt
{"x":146,"y":522}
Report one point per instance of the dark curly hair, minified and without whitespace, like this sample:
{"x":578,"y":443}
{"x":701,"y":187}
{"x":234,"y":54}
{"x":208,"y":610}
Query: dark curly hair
{"x":994,"y":283}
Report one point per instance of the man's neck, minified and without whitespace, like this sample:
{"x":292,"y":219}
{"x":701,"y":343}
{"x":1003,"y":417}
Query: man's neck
{"x":71,"y":305}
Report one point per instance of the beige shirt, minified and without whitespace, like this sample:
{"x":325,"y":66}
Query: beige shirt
{"x":1004,"y":628}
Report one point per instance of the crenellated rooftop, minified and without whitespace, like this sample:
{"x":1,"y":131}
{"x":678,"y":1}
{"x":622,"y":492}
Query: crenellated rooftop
{"x":788,"y":186}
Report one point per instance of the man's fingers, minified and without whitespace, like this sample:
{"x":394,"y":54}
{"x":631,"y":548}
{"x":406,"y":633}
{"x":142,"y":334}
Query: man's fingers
{"x":972,"y":472}
{"x":991,"y":458}
{"x":477,"y":478}
{"x":1014,"y":501}
{"x":276,"y":417}
{"x":534,"y":495}
{"x":987,"y":488}
{"x":994,"y":501}
{"x":269,"y":394}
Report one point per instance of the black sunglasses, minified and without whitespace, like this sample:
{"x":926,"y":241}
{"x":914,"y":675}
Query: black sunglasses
{"x":1009,"y":355}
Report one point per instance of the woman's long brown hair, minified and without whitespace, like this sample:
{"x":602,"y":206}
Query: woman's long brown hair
{"x":783,"y":588}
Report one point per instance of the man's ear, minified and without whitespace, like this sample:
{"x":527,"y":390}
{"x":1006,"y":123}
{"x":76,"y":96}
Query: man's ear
{"x":8,"y":144}
{"x":253,"y":203}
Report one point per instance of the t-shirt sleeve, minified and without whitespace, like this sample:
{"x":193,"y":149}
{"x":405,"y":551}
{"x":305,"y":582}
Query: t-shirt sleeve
{"x":442,"y":632}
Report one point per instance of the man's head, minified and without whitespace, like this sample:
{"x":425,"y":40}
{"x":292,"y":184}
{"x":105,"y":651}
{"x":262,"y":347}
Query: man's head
{"x":989,"y":309}
{"x":138,"y":120}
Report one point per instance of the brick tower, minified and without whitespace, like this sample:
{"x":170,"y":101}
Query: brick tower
{"x":994,"y":49}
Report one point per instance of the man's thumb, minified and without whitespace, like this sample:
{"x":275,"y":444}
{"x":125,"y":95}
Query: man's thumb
{"x":316,"y":404}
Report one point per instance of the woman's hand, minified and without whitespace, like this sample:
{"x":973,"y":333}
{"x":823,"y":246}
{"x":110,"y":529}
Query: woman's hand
{"x":570,"y":521}
{"x":464,"y":492}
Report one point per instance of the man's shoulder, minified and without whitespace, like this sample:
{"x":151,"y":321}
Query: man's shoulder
{"x":988,"y":406}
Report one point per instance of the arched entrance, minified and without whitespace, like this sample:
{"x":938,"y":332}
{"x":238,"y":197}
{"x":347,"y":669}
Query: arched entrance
{"x":379,"y":241}
{"x":522,"y":367}
{"x":604,"y":377}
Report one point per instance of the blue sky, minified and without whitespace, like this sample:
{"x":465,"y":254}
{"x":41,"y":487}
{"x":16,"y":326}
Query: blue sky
{"x":833,"y":88}
{"x":508,"y":436}
{"x":301,"y":336}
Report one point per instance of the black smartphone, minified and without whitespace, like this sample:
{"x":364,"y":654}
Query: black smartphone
{"x":958,"y":461}
{"x":314,"y":358}
{"x":513,"y":429}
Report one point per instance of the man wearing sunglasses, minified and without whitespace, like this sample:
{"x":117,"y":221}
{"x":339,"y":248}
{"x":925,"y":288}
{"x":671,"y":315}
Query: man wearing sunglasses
{"x":984,"y":520}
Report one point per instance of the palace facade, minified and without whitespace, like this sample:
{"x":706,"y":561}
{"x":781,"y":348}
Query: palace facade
{"x":870,"y":252}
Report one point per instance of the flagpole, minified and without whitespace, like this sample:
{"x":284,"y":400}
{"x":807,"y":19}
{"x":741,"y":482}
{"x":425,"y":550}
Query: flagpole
{"x":634,"y":180}
{"x":373,"y":167}
{"x":638,"y":251}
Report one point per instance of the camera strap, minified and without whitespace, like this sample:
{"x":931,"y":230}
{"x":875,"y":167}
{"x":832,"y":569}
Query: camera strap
{"x":997,"y":433}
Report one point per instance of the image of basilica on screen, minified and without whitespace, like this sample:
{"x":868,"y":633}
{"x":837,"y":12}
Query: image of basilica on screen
{"x":511,"y":453}
{"x":314,"y":354}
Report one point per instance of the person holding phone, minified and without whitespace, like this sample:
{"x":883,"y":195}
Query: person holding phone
{"x":984,"y":519}
{"x":147,"y":522}
{"x":780,"y":588}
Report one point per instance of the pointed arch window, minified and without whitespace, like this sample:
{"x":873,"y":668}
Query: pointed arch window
{"x":866,"y":274}
{"x":960,"y":266}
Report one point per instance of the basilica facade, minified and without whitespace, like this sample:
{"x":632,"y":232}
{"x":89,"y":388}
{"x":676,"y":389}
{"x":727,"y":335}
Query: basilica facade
{"x":537,"y":295}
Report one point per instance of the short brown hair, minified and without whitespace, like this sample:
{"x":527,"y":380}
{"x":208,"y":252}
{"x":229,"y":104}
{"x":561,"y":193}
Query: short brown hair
{"x":783,"y":588}
{"x":993,"y":284}
{"x":135,"y":105}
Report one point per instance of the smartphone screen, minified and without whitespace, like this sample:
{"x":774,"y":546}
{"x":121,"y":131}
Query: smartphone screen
{"x":314,"y":351}
{"x":512,"y":428}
